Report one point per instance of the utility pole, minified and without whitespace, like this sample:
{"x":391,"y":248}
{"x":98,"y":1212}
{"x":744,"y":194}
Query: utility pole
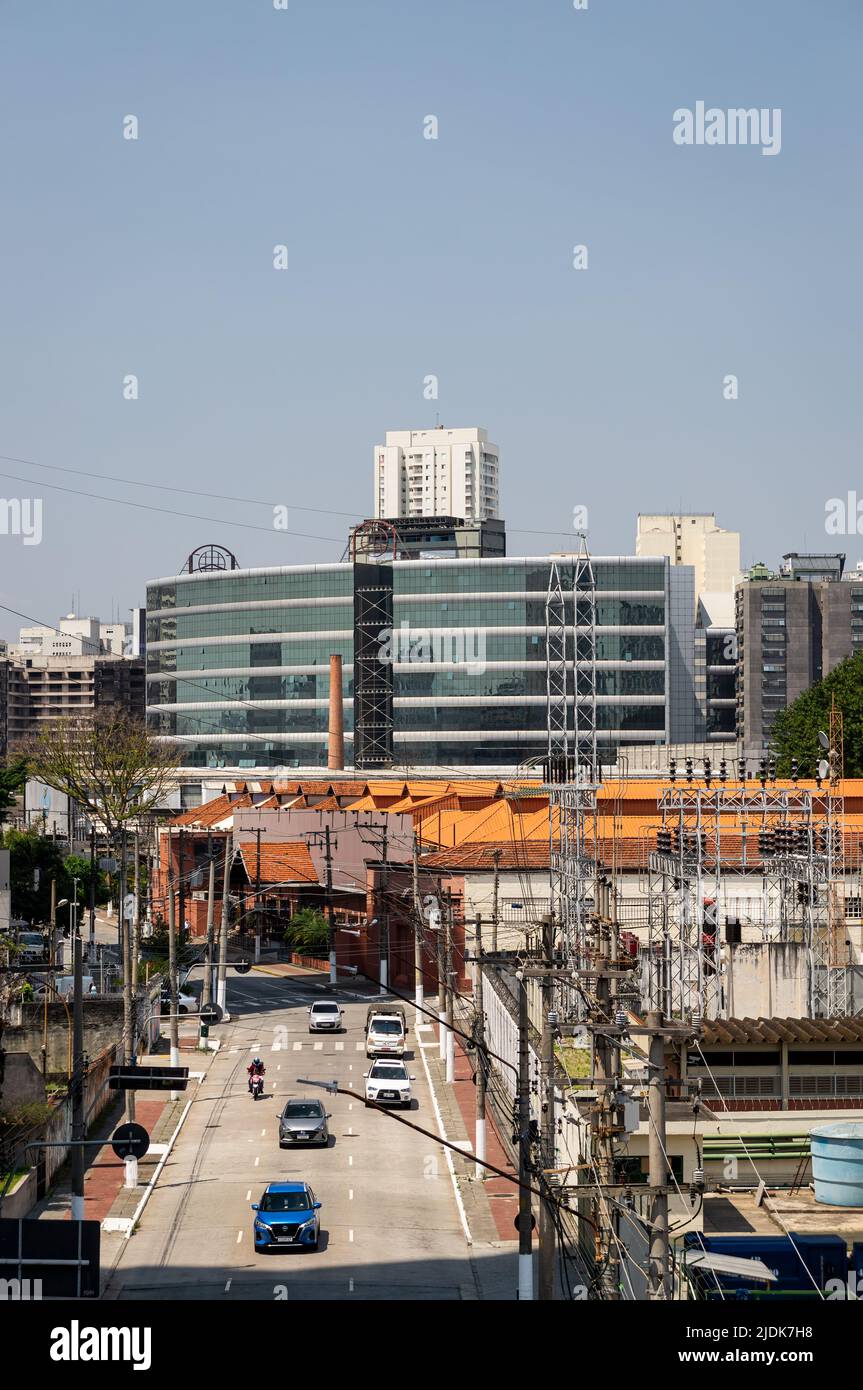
{"x":173,"y":1030}
{"x":136,"y":913}
{"x":92,"y":894}
{"x":547,"y":1130}
{"x":125,"y":926}
{"x":495,"y":910}
{"x":328,"y":899}
{"x":181,"y":888}
{"x":418,"y":920}
{"x":658,"y":1273}
{"x":481,"y":1060}
{"x":450,"y":997}
{"x":258,"y":897}
{"x":441,"y":979}
{"x":207,"y":986}
{"x":222,"y":986}
{"x":77,"y":1084}
{"x":525,"y":1215}
{"x":603,"y":1126}
{"x":384,"y":925}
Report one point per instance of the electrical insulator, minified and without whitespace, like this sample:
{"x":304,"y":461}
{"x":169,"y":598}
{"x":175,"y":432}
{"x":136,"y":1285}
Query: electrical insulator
{"x":689,"y":769}
{"x":697,"y":1180}
{"x":723,"y":769}
{"x":794,"y":772}
{"x":621,"y":1018}
{"x":672,"y":769}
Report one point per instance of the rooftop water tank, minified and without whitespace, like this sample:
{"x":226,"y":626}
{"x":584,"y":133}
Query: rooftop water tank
{"x":837,"y":1164}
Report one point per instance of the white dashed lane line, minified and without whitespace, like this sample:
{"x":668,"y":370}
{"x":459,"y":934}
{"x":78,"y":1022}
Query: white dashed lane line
{"x":239,"y":1236}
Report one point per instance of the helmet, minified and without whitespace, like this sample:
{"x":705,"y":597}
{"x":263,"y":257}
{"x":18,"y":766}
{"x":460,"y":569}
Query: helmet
{"x":257,"y":1061}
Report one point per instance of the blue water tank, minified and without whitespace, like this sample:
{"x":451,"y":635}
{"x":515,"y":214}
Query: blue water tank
{"x":837,"y":1164}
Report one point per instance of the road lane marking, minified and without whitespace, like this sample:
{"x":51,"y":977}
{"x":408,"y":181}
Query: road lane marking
{"x":257,"y":1160}
{"x":239,"y":1236}
{"x":350,"y":1129}
{"x":263,"y":1132}
{"x":319,"y":1047}
{"x":350,"y":1236}
{"x":254,"y":1047}
{"x":350,"y":1286}
{"x":350,"y":1105}
{"x":340,"y":1047}
{"x":350,"y":1194}
{"x":248,"y":1199}
{"x":359,"y":1045}
{"x":228,"y":1285}
{"x":297,"y":1046}
{"x":350,"y":1160}
{"x":279,"y":1067}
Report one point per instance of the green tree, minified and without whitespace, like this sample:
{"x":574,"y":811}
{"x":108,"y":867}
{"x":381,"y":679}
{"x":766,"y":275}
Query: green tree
{"x":34,"y":860}
{"x":307,"y":930}
{"x":795,"y":729}
{"x":12,"y":779}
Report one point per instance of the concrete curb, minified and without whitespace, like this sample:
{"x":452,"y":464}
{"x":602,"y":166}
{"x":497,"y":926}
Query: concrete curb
{"x":447,"y":1152}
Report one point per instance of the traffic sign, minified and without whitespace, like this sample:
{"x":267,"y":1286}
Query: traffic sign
{"x":242,"y":966}
{"x":130,"y":1141}
{"x":133,"y":1078}
{"x":211,"y":1013}
{"x":532,"y":1222}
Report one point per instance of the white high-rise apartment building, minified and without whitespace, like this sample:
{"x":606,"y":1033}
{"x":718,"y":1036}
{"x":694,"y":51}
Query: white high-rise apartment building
{"x":437,"y":472}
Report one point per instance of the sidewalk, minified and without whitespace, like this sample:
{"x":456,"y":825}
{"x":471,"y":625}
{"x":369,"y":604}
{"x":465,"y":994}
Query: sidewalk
{"x":491,"y":1202}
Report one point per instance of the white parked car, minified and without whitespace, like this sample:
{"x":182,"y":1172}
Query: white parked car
{"x":186,"y":1003}
{"x":389,"y":1083}
{"x":325,"y":1016}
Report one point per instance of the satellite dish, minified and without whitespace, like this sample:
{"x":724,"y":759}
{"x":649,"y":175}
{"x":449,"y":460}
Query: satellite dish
{"x":823,"y":768}
{"x":824,"y":741}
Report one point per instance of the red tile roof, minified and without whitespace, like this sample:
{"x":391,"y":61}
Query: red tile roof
{"x":285,"y":862}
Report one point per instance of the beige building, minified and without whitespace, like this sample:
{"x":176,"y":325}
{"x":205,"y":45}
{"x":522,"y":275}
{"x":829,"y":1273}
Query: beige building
{"x":694,"y":539}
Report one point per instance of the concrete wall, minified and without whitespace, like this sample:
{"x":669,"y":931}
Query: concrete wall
{"x":766,"y":979}
{"x":21,"y":1081}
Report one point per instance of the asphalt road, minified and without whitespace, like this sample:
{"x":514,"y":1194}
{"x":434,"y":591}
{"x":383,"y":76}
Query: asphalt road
{"x":390,"y":1225}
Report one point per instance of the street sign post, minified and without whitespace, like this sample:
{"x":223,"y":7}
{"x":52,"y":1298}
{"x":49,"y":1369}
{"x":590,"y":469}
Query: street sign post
{"x":134,"y":1078}
{"x":130,"y":1141}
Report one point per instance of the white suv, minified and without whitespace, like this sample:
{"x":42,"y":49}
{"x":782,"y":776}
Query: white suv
{"x":389,"y":1084}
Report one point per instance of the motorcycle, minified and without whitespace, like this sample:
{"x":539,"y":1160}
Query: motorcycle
{"x":256,"y":1086}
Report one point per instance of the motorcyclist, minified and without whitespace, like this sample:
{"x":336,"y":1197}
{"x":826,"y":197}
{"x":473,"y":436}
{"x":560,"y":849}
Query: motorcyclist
{"x":255,"y":1068}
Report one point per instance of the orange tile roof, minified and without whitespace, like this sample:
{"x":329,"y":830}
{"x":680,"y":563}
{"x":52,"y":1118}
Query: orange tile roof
{"x":288,"y":861}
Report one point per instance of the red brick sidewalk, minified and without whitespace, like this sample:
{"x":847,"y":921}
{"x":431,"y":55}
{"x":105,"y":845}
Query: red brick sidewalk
{"x":105,"y":1177}
{"x":502,"y":1195}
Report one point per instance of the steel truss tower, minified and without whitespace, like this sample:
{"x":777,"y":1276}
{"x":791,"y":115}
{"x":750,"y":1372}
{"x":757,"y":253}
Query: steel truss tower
{"x":791,"y":839}
{"x":572,"y":760}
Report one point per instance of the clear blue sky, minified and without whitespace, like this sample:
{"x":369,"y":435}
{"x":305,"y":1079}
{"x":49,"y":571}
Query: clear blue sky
{"x":409,"y":257}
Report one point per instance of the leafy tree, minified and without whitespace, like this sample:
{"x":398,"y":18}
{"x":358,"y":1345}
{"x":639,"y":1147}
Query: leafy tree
{"x":12,"y":779}
{"x":307,"y":931}
{"x":795,"y":729}
{"x":34,"y":860}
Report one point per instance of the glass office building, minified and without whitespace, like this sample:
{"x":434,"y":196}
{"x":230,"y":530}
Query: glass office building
{"x":443,"y":659}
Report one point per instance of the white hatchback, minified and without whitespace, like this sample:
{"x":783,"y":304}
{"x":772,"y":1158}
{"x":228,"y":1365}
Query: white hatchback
{"x":325,"y":1016}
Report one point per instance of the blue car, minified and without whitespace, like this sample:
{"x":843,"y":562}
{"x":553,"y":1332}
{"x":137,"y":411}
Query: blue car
{"x":287,"y":1216}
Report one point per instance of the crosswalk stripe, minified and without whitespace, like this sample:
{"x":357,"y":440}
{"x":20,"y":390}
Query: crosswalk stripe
{"x":340,"y":1047}
{"x":359,"y":1045}
{"x":297,"y":1046}
{"x":319,"y":1047}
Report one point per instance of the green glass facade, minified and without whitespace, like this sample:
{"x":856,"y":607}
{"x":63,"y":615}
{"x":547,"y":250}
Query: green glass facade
{"x":238,"y":661}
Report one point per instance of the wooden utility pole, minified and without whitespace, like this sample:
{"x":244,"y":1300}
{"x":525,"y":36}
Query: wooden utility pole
{"x":222,"y":986}
{"x":418,"y":926}
{"x":173,"y":1029}
{"x":207,"y":986}
{"x":450,"y":996}
{"x":384,"y":923}
{"x":495,"y":909}
{"x":328,"y":900}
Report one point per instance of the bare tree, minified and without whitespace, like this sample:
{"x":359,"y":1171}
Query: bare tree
{"x":119,"y":772}
{"x":113,"y":766}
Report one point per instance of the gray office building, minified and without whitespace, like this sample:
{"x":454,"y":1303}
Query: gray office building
{"x":793,"y":628}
